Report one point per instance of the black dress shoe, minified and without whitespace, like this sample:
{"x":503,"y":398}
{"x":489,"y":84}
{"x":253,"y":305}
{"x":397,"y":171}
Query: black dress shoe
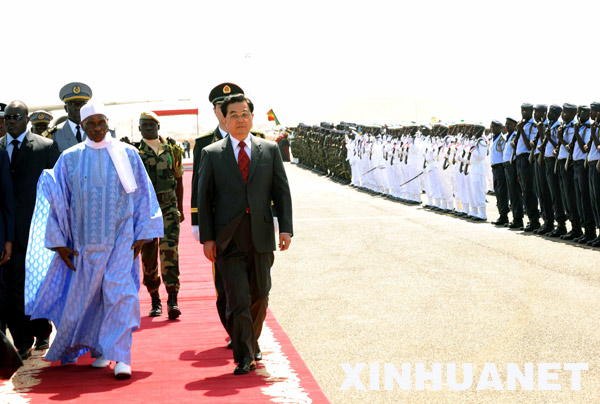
{"x":501,"y":221}
{"x":531,"y":226}
{"x":229,"y":345}
{"x":573,"y":234}
{"x":546,"y":228}
{"x":595,"y":243}
{"x":585,"y":238}
{"x":516,"y":224}
{"x":559,"y":231}
{"x":258,"y":356}
{"x":245,"y":367}
{"x":41,"y":343}
{"x":24,"y":353}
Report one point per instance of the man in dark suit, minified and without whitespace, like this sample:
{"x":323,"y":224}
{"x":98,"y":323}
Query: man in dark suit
{"x":216,"y":97}
{"x":7,"y":225}
{"x":239,"y":176}
{"x":29,"y":155}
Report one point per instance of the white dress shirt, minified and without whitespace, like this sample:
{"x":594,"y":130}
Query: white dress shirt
{"x":236,"y":147}
{"x":9,"y":145}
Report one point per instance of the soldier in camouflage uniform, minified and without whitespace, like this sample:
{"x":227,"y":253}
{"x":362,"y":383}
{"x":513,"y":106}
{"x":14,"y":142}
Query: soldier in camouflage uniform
{"x":162,"y":160}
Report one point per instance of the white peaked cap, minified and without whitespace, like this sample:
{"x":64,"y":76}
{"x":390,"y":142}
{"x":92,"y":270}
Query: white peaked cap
{"x":92,"y":108}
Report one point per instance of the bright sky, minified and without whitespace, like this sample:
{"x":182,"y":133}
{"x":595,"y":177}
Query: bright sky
{"x":311,"y":61}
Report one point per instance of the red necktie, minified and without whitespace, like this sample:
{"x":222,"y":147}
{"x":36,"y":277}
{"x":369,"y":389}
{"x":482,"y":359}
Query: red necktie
{"x":244,"y":162}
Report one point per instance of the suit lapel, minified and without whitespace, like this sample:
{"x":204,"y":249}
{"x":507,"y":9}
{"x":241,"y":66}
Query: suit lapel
{"x":256,"y":155}
{"x":229,"y":159}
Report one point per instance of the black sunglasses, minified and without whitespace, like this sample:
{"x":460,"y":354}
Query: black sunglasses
{"x":13,"y":117}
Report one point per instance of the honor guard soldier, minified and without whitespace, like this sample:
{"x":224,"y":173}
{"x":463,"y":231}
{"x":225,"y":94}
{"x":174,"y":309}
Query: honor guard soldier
{"x":162,"y":160}
{"x":40,"y":121}
{"x":580,"y":175}
{"x":74,"y":95}
{"x":565,"y":135}
{"x":514,"y":189}
{"x":540,"y":184}
{"x":526,"y":131}
{"x":500,"y":187}
{"x":549,"y":144}
{"x":593,"y":147}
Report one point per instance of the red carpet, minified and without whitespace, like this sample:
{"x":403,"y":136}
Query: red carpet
{"x":181,"y":361}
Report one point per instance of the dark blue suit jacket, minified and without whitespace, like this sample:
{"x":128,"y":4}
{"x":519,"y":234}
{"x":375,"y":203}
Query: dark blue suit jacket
{"x":7,"y":202}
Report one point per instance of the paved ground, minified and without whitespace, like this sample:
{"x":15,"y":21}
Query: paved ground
{"x":367,"y":280}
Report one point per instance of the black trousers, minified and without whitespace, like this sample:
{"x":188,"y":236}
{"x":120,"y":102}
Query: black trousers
{"x":552,"y":180}
{"x":221,"y":298}
{"x":582,"y":194}
{"x":514,"y":191}
{"x":542,"y":191}
{"x":21,"y":328}
{"x":567,"y":184}
{"x":500,"y":189}
{"x":525,"y":173}
{"x":594,"y":180}
{"x":246,"y":277}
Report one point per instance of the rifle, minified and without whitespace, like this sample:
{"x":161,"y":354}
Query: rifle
{"x":595,"y":140}
{"x":559,"y":134}
{"x":535,"y":141}
{"x":469,"y":161}
{"x":542,"y":147}
{"x":571,"y":147}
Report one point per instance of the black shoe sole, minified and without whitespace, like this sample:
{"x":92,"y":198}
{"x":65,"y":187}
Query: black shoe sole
{"x":174,"y":314}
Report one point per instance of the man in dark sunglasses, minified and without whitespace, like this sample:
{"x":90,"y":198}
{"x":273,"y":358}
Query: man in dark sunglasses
{"x":29,"y":155}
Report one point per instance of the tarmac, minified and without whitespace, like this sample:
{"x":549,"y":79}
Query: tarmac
{"x":372,"y":281}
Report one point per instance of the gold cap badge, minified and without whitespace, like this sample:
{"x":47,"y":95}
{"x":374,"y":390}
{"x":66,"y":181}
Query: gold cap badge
{"x":76,"y":90}
{"x":226,"y":90}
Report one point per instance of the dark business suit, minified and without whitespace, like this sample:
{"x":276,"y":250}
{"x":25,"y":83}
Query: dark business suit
{"x":245,"y":241}
{"x":201,"y":143}
{"x":7,"y":222}
{"x":36,"y":153}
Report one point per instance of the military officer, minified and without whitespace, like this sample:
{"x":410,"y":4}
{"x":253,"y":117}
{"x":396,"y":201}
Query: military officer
{"x":75,"y":95}
{"x":39,"y":121}
{"x":163,"y":161}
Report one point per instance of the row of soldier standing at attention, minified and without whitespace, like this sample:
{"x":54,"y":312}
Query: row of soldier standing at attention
{"x":24,"y":155}
{"x":546,"y":167}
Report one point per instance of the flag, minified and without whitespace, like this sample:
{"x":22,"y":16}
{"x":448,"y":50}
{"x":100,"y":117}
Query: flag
{"x":271,"y":116}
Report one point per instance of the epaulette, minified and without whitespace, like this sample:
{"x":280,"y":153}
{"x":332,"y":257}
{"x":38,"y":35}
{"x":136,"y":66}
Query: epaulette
{"x":49,"y":133}
{"x":204,"y":135}
{"x":173,"y":144}
{"x":258,"y":134}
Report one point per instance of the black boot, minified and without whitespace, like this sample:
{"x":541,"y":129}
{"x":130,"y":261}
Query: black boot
{"x":560,"y":230}
{"x":546,"y":228}
{"x":156,"y":309}
{"x":174,"y":311}
{"x":501,"y":221}
{"x":573,"y":234}
{"x":590,"y":234}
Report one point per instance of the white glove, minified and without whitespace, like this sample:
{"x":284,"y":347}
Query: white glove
{"x":196,"y":233}
{"x":276,"y":224}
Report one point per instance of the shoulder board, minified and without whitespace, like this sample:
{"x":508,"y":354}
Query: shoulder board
{"x":258,"y":134}
{"x":205,"y":135}
{"x":50,"y":132}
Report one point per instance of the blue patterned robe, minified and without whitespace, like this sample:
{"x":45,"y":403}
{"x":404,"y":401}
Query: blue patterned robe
{"x":82,"y":204}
